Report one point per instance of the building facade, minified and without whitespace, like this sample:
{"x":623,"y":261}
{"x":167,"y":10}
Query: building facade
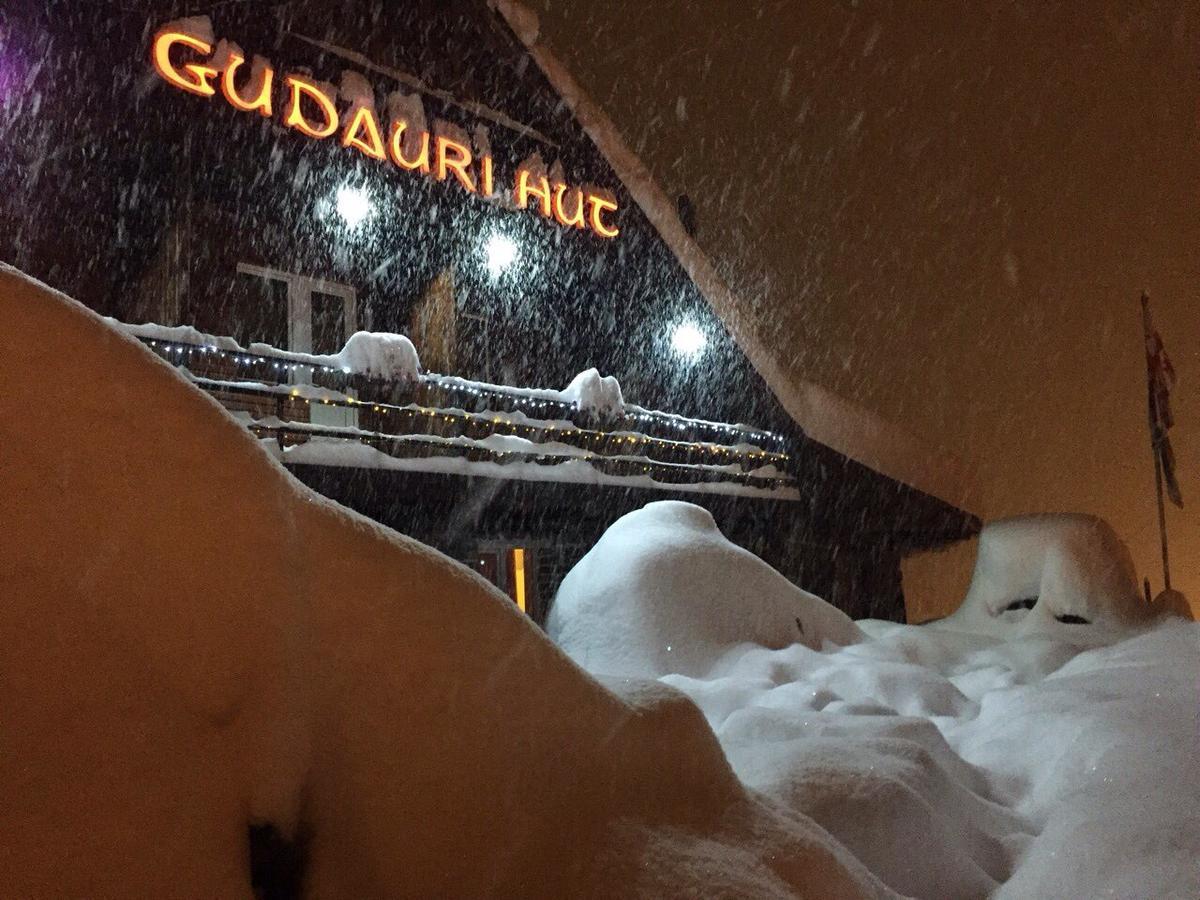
{"x":278,"y":177}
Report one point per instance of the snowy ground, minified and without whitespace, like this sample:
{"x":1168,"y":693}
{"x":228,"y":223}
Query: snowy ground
{"x":1006,"y":751}
{"x":194,"y":643}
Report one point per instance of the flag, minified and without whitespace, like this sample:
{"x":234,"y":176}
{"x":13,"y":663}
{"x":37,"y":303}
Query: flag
{"x":1160,"y":379}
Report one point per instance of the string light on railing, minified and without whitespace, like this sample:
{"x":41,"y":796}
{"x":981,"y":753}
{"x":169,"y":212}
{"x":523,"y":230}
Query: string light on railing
{"x":571,"y":409}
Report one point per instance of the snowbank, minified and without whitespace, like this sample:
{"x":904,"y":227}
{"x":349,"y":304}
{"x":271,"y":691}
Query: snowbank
{"x":1003,"y":753}
{"x":958,"y":765}
{"x":664,"y":591}
{"x":194,"y":642}
{"x":1051,"y":574}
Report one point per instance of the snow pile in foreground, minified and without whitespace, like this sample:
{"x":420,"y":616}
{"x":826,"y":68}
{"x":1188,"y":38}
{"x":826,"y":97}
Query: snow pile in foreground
{"x":194,"y":642}
{"x":1041,"y":742}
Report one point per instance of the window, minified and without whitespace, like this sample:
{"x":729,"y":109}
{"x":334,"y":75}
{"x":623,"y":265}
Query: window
{"x":321,"y":315}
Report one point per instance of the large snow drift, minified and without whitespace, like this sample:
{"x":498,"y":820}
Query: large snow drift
{"x":194,"y":642}
{"x":1041,"y":742}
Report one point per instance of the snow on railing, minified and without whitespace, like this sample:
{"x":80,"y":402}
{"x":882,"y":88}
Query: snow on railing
{"x":420,"y":421}
{"x":589,"y":394}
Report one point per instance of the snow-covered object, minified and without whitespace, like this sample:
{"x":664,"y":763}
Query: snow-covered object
{"x":1063,"y":574}
{"x":1173,"y":603}
{"x":194,"y":642}
{"x":183,"y":334}
{"x":574,"y":470}
{"x":380,"y":355}
{"x":597,"y":394}
{"x":664,"y":591}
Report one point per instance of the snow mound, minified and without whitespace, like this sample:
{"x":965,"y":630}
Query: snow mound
{"x":1173,"y":603}
{"x":978,"y":758}
{"x":1068,"y":575}
{"x":194,"y":643}
{"x":962,"y":765}
{"x":595,"y":393}
{"x":380,"y":355}
{"x":664,"y":591}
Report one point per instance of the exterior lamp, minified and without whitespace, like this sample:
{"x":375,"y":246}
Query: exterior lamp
{"x":501,"y":252}
{"x":353,"y":205}
{"x":688,"y":341}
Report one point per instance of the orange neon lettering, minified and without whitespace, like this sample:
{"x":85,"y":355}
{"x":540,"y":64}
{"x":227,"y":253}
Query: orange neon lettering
{"x":396,"y":145}
{"x":294,"y":115}
{"x":487,"y":177}
{"x":598,"y":206}
{"x":262,"y":102}
{"x":569,"y":207}
{"x":541,"y":190}
{"x":458,"y":165}
{"x":371,"y":144}
{"x":576,"y":219}
{"x":200,"y":81}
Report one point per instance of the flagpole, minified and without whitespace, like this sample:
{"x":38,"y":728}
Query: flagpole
{"x":1152,"y":408}
{"x":1162,"y":516}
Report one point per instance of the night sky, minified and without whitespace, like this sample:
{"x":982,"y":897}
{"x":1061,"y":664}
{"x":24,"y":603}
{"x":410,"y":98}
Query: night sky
{"x":947,"y":213}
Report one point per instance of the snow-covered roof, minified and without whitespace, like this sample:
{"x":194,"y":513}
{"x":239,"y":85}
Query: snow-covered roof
{"x":837,"y":423}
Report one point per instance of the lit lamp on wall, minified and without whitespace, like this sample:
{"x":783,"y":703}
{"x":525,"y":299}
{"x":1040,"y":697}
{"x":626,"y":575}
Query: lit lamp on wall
{"x":688,"y":341}
{"x":353,"y":205}
{"x":500,"y":253}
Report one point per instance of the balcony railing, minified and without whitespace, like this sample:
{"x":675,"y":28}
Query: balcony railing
{"x":313,"y":411}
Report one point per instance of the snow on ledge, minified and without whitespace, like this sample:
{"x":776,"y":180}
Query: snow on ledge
{"x":339,"y":452}
{"x":375,"y":354}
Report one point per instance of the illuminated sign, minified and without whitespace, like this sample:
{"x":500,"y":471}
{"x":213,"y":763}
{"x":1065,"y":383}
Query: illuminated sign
{"x":311,"y":108}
